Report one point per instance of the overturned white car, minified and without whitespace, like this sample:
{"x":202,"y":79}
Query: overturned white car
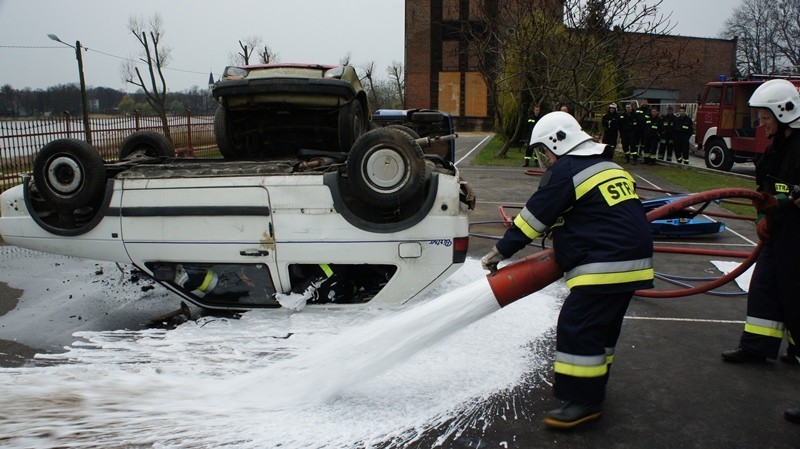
{"x":386,"y":217}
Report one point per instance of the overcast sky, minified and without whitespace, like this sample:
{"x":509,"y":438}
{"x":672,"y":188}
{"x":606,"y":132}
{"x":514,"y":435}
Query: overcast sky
{"x":203,"y":33}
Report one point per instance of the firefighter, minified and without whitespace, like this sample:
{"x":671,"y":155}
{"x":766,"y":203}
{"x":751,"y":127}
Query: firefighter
{"x":683,"y":132}
{"x":601,"y":240}
{"x":651,"y":135}
{"x":642,"y":114}
{"x":772,"y":305}
{"x":610,"y":123}
{"x":532,"y":119}
{"x":627,"y":132}
{"x":667,"y":142}
{"x":319,"y":284}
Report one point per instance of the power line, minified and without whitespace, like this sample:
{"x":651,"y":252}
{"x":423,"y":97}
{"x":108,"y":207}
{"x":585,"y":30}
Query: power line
{"x":122,"y":58}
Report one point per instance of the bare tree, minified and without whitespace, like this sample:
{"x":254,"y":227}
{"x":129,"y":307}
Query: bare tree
{"x":247,"y":49}
{"x":266,"y":55}
{"x":767,"y":32}
{"x":155,"y":56}
{"x":397,"y":78}
{"x":369,"y":72}
{"x":250,"y":47}
{"x":585,"y":55}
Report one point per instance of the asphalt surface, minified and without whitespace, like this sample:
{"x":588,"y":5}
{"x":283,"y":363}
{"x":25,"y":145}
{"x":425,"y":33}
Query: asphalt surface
{"x":669,"y":387}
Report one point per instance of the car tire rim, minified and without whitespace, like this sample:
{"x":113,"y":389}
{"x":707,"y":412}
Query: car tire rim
{"x":64,"y":175}
{"x":385,"y":170}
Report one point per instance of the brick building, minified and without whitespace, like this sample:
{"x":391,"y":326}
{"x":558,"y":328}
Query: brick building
{"x":441,"y":68}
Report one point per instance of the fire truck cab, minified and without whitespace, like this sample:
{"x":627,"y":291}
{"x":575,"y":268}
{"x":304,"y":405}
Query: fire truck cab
{"x":726,"y":127}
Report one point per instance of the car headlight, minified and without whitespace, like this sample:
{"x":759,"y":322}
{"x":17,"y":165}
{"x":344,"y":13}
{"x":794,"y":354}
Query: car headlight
{"x":232,"y":72}
{"x":335,"y":72}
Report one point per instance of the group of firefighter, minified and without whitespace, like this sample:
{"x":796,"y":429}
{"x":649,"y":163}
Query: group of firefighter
{"x":644,"y":132}
{"x":647,"y":134}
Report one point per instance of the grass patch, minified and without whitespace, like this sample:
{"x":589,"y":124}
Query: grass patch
{"x":515,"y":156}
{"x":700,"y":181}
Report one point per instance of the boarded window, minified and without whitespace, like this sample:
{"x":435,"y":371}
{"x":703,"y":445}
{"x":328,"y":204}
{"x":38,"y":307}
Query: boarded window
{"x":475,"y":94}
{"x":450,"y":92}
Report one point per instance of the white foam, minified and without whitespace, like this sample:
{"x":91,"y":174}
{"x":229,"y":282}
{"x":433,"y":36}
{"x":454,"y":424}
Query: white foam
{"x":320,"y":378}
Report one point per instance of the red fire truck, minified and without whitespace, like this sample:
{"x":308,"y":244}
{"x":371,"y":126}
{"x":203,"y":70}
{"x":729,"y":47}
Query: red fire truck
{"x":725,"y":125}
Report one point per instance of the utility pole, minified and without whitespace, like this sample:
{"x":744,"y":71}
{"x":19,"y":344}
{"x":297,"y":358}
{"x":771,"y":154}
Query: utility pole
{"x":87,"y":129}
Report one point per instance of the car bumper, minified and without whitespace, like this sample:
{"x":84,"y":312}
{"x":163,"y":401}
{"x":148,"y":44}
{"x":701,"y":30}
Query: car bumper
{"x":297,"y":92}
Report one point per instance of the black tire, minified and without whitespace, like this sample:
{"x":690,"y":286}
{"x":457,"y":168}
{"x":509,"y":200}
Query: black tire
{"x":427,"y":116}
{"x":352,"y":124}
{"x":222,"y":135}
{"x":69,"y":174}
{"x":386,"y":168}
{"x":405,"y":129}
{"x":718,"y":155}
{"x":146,"y":143}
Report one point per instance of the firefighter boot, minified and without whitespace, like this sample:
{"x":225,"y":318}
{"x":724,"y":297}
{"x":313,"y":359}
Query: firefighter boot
{"x":572,"y":414}
{"x":740,"y":355}
{"x":792,"y":415}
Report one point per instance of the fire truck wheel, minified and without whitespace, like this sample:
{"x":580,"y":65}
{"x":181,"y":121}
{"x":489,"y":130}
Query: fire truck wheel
{"x":718,"y":155}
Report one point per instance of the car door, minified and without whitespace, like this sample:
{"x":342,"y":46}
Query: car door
{"x":214,"y":243}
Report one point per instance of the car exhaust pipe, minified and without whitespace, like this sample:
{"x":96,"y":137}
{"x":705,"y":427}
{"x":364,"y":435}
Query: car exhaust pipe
{"x":529,"y":275}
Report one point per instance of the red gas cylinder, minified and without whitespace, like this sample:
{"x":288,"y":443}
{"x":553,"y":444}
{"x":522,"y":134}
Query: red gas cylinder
{"x":524,"y":277}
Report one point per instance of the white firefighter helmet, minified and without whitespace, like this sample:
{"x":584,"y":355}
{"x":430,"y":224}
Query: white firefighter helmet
{"x":781,"y":97}
{"x":613,"y":105}
{"x":561,"y":134}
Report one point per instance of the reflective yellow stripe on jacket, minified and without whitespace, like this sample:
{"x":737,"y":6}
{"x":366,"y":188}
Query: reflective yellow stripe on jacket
{"x":528,"y":224}
{"x":603,"y":273}
{"x":326,"y":269}
{"x":614,"y":183}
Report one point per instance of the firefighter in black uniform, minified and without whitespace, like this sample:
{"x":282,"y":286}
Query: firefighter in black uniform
{"x":611,"y":126}
{"x":684,"y":129}
{"x":642,"y":113}
{"x":772,"y":301}
{"x":532,"y":119}
{"x":651,"y":135}
{"x":667,"y":143}
{"x":601,"y":240}
{"x":627,"y":131}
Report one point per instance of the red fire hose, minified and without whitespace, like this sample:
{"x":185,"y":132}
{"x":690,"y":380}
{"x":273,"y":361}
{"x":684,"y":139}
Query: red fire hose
{"x":535,"y":272}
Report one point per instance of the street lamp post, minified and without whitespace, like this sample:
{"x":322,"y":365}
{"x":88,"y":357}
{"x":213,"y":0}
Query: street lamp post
{"x":86,"y":126}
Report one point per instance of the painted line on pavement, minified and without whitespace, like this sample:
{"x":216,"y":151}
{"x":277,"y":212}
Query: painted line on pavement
{"x":473,"y":149}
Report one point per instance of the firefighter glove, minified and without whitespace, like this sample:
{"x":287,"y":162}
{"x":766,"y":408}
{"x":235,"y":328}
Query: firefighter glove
{"x":767,"y":204}
{"x":764,"y":228}
{"x":490,"y":261}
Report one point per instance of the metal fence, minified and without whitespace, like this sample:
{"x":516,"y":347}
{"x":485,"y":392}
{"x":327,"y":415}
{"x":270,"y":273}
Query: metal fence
{"x":20,"y":140}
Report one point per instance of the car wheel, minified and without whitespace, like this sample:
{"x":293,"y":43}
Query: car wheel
{"x":405,"y":129}
{"x":146,"y":143}
{"x":69,"y":173}
{"x":227,"y":147}
{"x":718,"y":155}
{"x":352,"y":124}
{"x":386,"y":168}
